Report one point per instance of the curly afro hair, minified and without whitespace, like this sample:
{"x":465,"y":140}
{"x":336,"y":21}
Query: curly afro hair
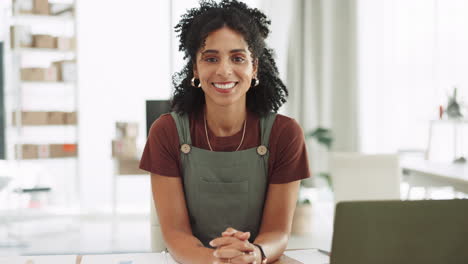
{"x":193,"y":29}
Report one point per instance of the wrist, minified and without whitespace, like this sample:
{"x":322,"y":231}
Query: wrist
{"x":261,"y":258}
{"x":258,"y":255}
{"x":211,"y":257}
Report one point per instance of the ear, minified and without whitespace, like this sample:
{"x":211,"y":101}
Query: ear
{"x":255,"y":68}
{"x":195,"y":71}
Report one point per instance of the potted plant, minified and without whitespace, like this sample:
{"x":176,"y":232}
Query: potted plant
{"x":303,"y":214}
{"x":453,"y":106}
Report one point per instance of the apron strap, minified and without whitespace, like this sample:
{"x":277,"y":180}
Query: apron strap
{"x":183,"y":128}
{"x":266,"y":124}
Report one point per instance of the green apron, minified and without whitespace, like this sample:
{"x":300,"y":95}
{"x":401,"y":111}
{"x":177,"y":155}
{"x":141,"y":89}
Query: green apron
{"x":224,"y":189}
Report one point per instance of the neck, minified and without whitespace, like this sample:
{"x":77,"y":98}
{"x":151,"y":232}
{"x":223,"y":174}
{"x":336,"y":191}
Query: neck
{"x":225,"y":121}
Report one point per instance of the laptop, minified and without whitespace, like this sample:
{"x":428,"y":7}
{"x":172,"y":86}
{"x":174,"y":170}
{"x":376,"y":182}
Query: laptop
{"x":401,"y":232}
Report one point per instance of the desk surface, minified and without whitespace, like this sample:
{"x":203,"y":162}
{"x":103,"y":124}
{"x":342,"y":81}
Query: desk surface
{"x":283,"y":260}
{"x":291,"y":257}
{"x":448,"y":170}
{"x":428,"y":173}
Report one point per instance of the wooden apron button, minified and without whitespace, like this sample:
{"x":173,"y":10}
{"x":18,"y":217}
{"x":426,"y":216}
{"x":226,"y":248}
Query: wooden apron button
{"x":185,"y":148}
{"x":262,"y":150}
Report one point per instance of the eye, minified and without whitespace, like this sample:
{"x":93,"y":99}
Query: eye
{"x":238,"y":59}
{"x":211,"y":59}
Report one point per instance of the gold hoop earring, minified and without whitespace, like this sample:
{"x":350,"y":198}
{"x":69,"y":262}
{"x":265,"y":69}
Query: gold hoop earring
{"x":256,"y":82}
{"x":193,"y":82}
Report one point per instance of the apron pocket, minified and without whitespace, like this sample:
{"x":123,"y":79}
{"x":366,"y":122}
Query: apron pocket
{"x":223,"y":205}
{"x":223,"y":175}
{"x":224,"y":187}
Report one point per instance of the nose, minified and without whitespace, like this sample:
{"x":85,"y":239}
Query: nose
{"x":224,"y":68}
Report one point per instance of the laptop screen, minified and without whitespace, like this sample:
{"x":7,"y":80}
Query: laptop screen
{"x":379,"y":232}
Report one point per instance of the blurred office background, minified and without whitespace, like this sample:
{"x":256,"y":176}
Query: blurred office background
{"x":371,"y":77}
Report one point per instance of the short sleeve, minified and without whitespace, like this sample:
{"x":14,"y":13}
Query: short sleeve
{"x":289,"y":161}
{"x":161,"y":153}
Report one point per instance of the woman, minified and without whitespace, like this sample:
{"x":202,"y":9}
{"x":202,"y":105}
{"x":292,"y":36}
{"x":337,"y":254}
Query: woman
{"x":225,"y":169}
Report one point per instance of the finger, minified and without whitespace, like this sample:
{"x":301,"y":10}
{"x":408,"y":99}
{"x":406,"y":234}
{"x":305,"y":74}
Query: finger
{"x":223,"y":241}
{"x":239,"y":235}
{"x":242,"y":235}
{"x":241,"y":246}
{"x":236,"y":233}
{"x":222,"y":261}
{"x":227,"y":253}
{"x":229,"y":231}
{"x":245,"y":258}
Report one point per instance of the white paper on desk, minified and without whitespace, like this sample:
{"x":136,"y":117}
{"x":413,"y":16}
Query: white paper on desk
{"x":309,"y":256}
{"x":58,"y":259}
{"x":171,"y":260}
{"x":143,"y":258}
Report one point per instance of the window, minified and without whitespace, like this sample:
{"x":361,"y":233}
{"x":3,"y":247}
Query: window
{"x":411,"y":55}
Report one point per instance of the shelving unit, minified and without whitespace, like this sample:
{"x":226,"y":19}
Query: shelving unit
{"x":52,"y":52}
{"x":34,"y":19}
{"x":61,"y":173}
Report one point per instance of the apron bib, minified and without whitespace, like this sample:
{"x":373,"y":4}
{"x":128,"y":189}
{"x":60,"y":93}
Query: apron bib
{"x":224,"y":189}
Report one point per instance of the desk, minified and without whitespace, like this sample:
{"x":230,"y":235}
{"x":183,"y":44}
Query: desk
{"x":425,"y":173}
{"x":309,"y":256}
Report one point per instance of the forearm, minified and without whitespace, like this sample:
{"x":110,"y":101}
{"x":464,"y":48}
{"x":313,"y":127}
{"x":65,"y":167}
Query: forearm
{"x":273,"y":244}
{"x":187,"y":249}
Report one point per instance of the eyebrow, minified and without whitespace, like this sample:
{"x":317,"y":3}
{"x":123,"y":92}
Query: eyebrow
{"x":216,"y":52}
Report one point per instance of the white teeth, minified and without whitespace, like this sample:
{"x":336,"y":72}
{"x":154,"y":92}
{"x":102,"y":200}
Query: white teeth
{"x":224,"y":86}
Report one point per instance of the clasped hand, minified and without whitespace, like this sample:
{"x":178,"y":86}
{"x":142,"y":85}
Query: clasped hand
{"x":234,"y":247}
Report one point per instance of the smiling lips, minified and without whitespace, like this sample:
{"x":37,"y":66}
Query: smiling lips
{"x":224,"y":87}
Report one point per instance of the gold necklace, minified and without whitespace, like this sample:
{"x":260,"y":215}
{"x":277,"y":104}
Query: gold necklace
{"x":208,"y":140}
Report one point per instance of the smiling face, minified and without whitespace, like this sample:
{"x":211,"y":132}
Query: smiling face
{"x":225,"y":68}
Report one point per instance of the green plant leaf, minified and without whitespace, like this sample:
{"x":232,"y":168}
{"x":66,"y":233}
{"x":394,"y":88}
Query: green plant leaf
{"x":322,"y":135}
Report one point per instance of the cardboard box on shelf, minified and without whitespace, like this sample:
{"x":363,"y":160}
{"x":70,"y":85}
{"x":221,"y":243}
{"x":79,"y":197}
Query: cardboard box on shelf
{"x":40,"y":74}
{"x":126,"y":130}
{"x":64,"y":43}
{"x":41,"y":7}
{"x":71,"y":118}
{"x":31,"y":118}
{"x":63,"y":150}
{"x":43,"y":151}
{"x":44,"y":41}
{"x":129,"y":167}
{"x":124,"y":148}
{"x":61,"y":9}
{"x":23,"y":6}
{"x":29,"y":151}
{"x":20,"y":37}
{"x":66,"y":70}
{"x":34,"y":151}
{"x":55,"y":118}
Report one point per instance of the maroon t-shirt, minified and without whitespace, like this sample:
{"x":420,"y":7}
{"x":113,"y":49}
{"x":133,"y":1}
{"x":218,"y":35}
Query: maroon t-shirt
{"x":288,"y":156}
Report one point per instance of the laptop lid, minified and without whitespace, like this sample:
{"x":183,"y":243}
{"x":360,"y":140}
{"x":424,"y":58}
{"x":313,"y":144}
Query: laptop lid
{"x":380,"y":232}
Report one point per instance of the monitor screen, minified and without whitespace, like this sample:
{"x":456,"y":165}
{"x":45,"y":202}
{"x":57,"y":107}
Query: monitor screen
{"x":154,"y":109}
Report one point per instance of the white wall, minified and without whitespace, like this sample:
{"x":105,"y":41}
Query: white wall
{"x":125,"y":56}
{"x":122,"y":61}
{"x":280,"y":14}
{"x":411,"y":54}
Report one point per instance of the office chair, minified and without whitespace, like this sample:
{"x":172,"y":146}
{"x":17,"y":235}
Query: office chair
{"x":357,"y":176}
